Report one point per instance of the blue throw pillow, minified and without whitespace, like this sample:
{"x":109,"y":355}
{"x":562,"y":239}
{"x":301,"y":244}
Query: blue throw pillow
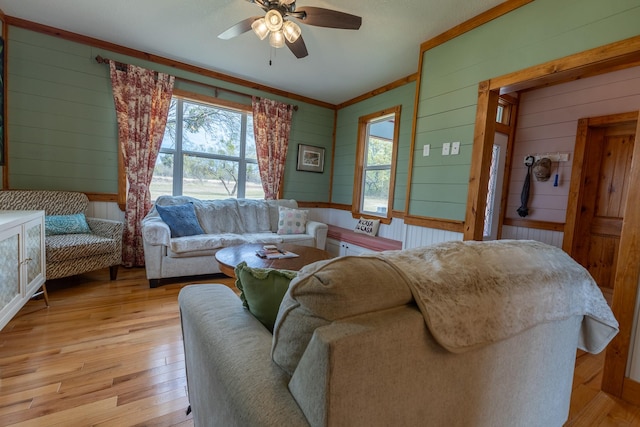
{"x":65,"y":224}
{"x":181,"y":219}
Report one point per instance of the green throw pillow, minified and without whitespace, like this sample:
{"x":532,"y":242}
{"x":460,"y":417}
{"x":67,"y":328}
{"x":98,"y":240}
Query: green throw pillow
{"x":262,"y":290}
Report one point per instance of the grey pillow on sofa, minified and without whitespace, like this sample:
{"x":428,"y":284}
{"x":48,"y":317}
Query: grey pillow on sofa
{"x":181,"y":219}
{"x":331,"y":290}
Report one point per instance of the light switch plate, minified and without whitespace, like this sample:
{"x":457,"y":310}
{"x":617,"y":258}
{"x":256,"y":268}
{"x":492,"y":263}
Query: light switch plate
{"x":446,"y":147}
{"x":455,"y":148}
{"x":425,"y":149}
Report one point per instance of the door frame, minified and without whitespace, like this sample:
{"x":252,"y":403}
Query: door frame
{"x":604,"y":59}
{"x":628,"y":266}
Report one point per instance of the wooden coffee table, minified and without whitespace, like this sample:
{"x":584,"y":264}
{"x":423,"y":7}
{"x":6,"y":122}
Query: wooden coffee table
{"x":228,"y":258}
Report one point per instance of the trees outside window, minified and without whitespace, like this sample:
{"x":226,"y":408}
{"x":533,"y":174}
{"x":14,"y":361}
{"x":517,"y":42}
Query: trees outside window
{"x":208,"y":152}
{"x":375,"y":164}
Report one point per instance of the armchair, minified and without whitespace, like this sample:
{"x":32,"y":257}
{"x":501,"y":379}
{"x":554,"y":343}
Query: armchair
{"x":71,"y":254}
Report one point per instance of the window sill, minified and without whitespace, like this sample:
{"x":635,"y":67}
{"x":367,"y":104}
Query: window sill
{"x":373,"y":243}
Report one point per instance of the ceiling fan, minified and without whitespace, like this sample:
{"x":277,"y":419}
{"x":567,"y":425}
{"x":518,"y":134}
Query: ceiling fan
{"x":281,"y":30}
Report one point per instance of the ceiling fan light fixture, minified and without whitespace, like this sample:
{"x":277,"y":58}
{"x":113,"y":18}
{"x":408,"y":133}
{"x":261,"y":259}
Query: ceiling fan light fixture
{"x":273,"y":20}
{"x":291,"y":31}
{"x":259,"y":27}
{"x":276,"y":39}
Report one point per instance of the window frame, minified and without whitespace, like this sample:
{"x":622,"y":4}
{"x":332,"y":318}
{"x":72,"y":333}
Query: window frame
{"x":358,"y":187}
{"x":178,"y":152}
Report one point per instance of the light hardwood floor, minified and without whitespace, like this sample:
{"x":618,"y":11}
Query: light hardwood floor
{"x":110,"y":354}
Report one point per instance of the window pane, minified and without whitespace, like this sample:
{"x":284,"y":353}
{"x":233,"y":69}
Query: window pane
{"x":499,"y":113}
{"x":211,"y":130}
{"x":379,"y":151}
{"x":253,"y":188}
{"x":491,"y":192}
{"x":162,"y":182}
{"x":250,"y":152}
{"x":376,"y":191}
{"x":380,"y":141}
{"x":209,"y":178}
{"x":169,"y":139}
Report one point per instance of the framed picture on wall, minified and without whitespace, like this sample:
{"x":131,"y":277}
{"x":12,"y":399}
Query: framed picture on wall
{"x":310,"y":158}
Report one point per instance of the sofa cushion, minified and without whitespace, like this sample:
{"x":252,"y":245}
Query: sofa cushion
{"x":65,"y":224}
{"x":63,"y":247}
{"x":274,"y":214}
{"x":292,"y":221}
{"x":255,"y":215}
{"x":181,"y":219}
{"x":51,"y":201}
{"x":219,"y":216}
{"x":262,"y":290}
{"x":331,"y":290}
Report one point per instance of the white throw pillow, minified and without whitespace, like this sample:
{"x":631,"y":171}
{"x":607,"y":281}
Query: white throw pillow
{"x":367,"y":226}
{"x":291,"y":221}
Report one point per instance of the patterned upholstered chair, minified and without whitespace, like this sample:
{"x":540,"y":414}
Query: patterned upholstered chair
{"x":71,"y":254}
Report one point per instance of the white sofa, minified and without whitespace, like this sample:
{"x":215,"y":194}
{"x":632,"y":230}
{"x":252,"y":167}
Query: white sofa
{"x":225,"y":222}
{"x":479,"y":334}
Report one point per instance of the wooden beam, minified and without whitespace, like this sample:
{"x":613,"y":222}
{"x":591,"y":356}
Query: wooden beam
{"x":603,"y":59}
{"x":5,"y":109}
{"x":435,"y":223}
{"x":78,"y":38}
{"x":483,"y":136}
{"x":625,"y":286}
{"x":393,"y":85}
{"x":475,"y":22}
{"x":538,"y":225}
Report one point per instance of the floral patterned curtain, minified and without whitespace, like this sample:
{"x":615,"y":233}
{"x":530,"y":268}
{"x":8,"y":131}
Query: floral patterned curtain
{"x":271,"y":127}
{"x":142,"y":100}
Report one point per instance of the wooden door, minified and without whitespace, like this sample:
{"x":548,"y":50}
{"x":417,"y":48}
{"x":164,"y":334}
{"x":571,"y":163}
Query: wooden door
{"x":608,"y":157}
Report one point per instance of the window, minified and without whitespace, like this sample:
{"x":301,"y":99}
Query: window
{"x":208,"y":152}
{"x":505,"y":109}
{"x":491,"y":193}
{"x":375,"y":164}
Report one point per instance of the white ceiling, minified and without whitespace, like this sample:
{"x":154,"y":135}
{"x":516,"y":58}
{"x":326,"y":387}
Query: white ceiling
{"x":341,"y":65}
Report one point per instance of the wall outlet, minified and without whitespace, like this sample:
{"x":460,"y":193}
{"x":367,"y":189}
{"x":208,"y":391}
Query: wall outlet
{"x":455,"y":148}
{"x":446,"y":148}
{"x":425,"y":149}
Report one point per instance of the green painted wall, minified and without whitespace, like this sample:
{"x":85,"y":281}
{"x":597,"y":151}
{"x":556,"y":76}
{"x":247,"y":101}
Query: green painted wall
{"x":347,"y":141}
{"x":62,"y":129}
{"x":62,"y":126}
{"x":538,"y":32}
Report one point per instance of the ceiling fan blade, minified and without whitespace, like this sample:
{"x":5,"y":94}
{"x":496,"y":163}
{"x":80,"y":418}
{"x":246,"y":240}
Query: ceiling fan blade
{"x":240,"y":28}
{"x":322,"y":17}
{"x":262,"y":3}
{"x":298,"y":47}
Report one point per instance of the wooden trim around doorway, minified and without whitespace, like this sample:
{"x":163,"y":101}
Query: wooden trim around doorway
{"x":604,"y":59}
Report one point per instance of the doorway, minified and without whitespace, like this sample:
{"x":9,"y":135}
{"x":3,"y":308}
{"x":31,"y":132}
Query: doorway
{"x":603,"y":230}
{"x":602,"y":190}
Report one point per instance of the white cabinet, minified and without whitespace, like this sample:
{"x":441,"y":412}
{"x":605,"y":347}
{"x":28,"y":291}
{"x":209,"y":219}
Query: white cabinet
{"x":341,"y":248}
{"x":22,"y":260}
{"x":333,"y":247}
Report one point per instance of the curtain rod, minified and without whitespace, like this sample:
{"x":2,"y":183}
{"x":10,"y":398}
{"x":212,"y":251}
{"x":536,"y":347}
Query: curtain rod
{"x":102,"y":60}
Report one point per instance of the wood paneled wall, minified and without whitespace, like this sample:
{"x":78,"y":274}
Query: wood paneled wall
{"x":548,"y":121}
